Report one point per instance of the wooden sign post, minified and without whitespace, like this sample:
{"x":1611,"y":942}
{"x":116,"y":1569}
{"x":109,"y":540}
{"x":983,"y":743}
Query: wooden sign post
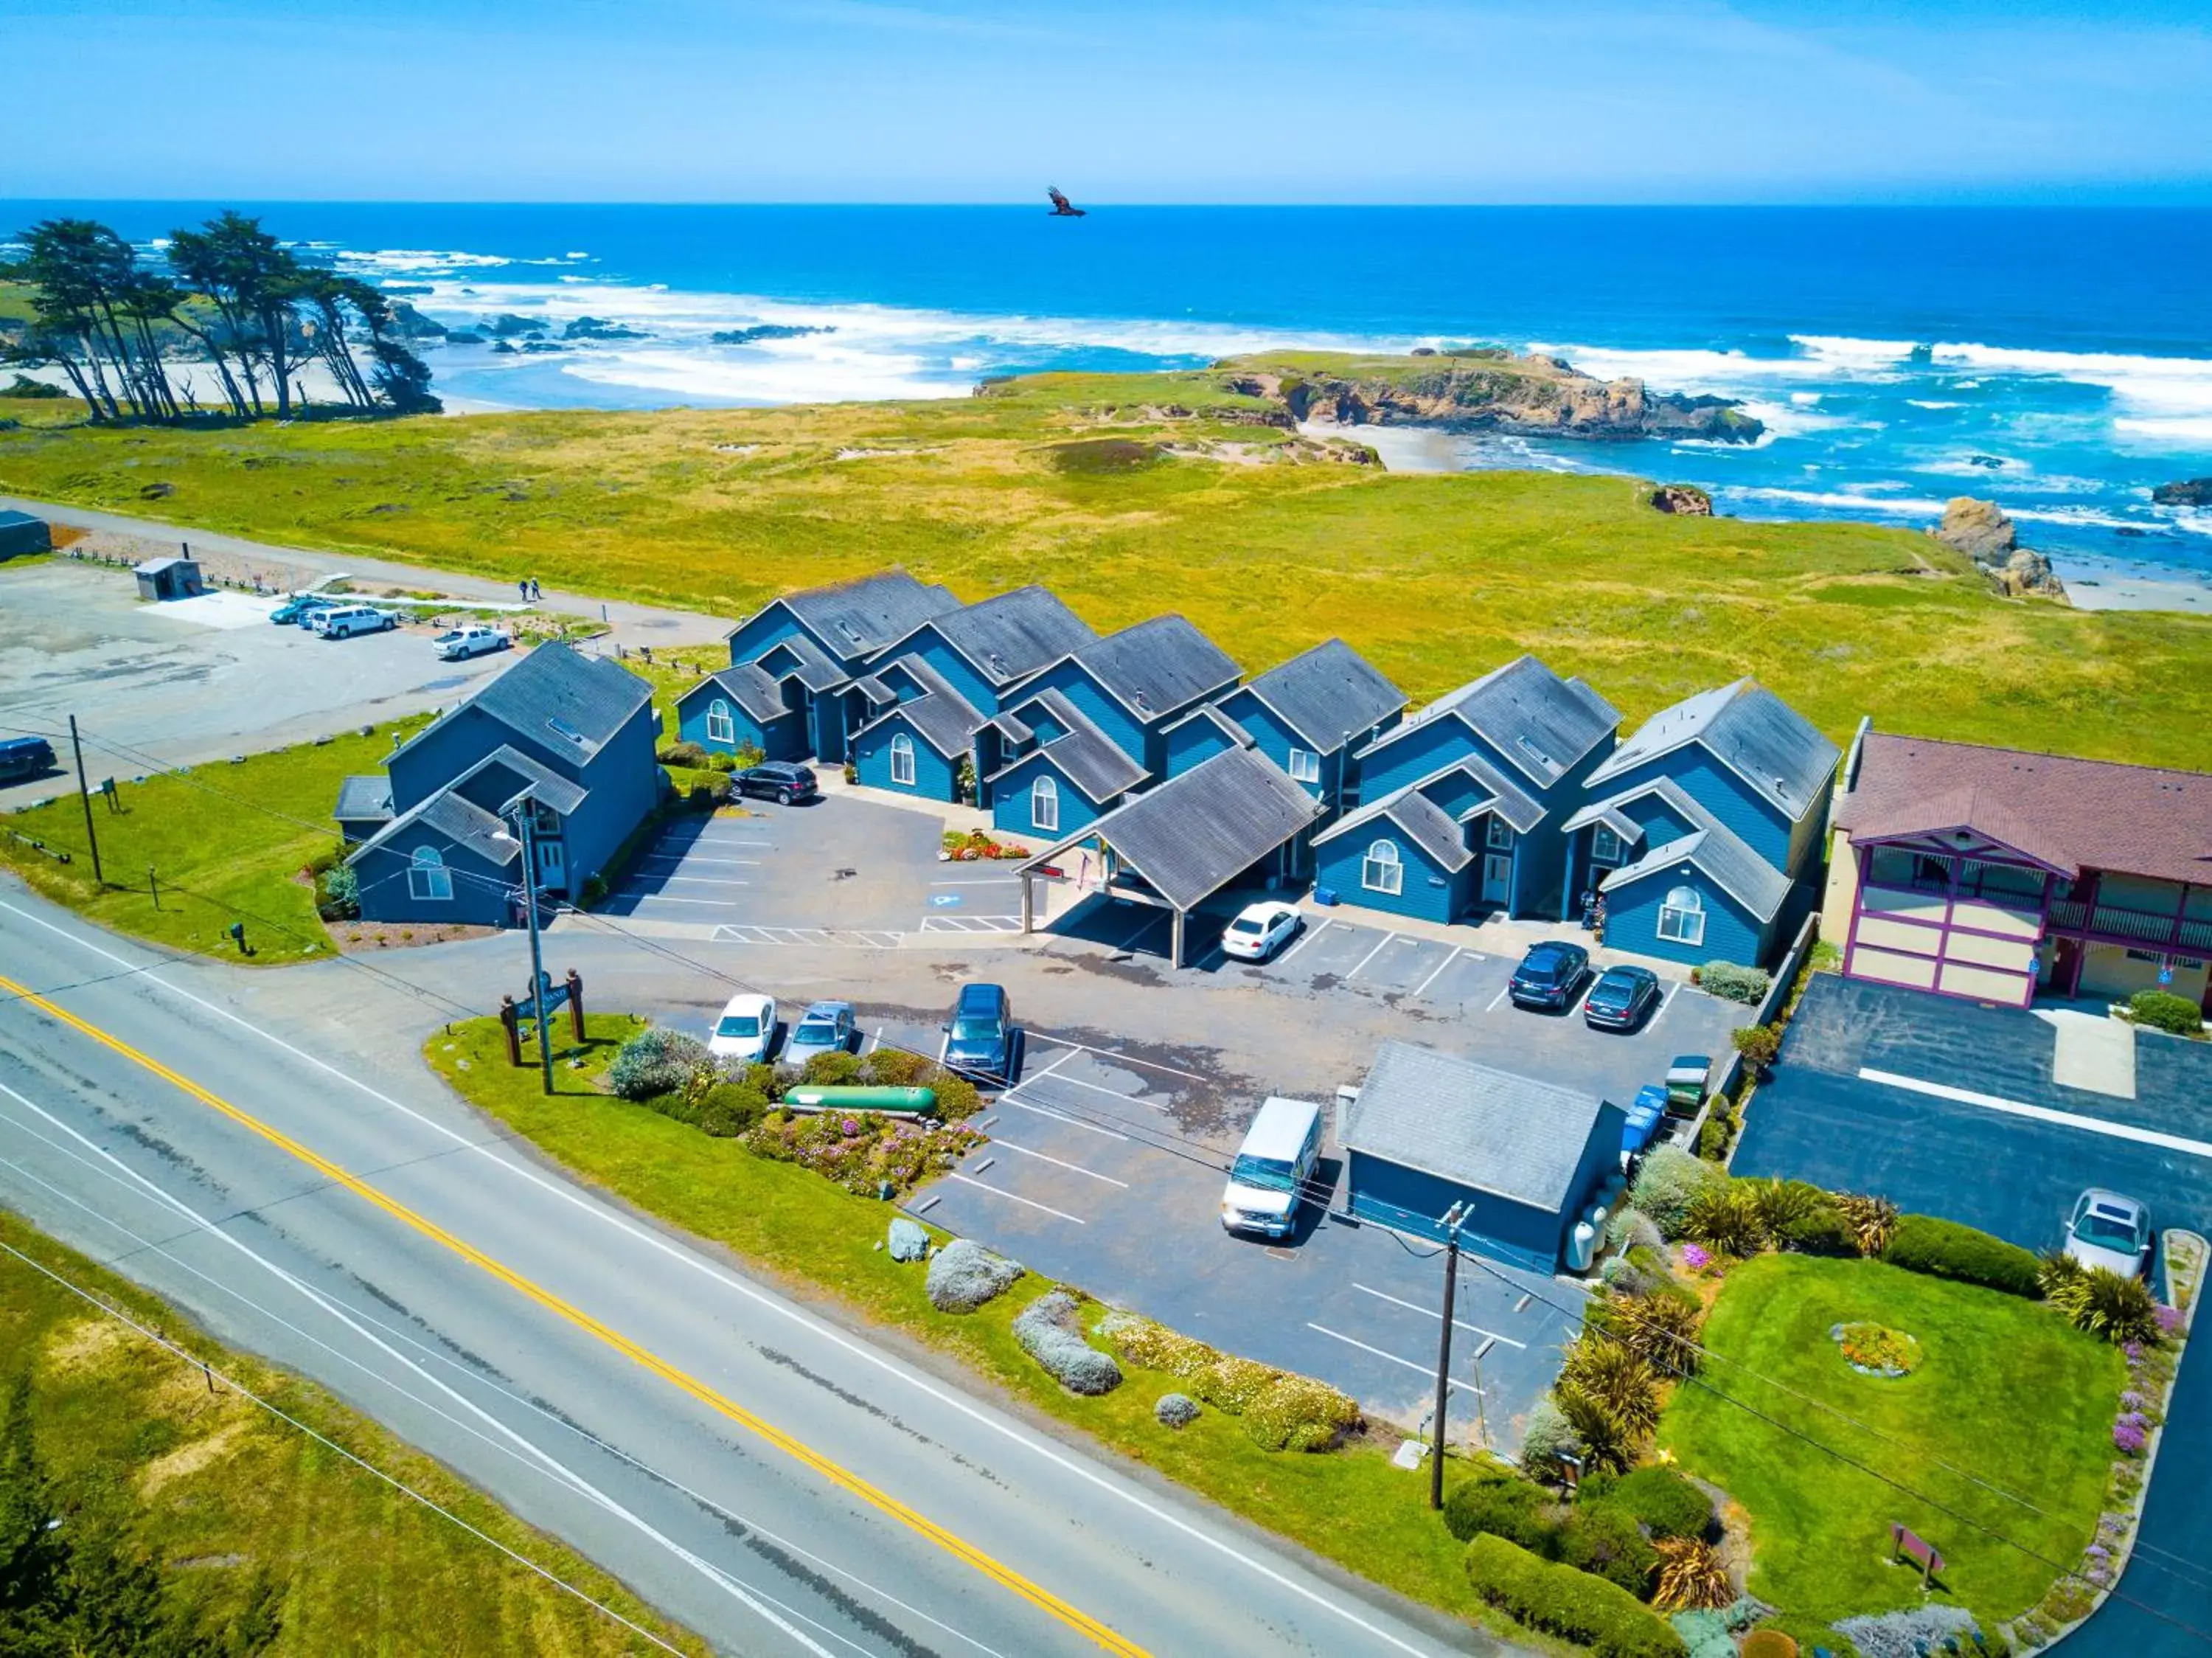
{"x":1905,"y":1546}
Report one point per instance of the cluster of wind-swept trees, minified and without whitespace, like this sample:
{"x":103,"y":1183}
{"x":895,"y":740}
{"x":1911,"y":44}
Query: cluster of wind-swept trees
{"x":134,"y":334}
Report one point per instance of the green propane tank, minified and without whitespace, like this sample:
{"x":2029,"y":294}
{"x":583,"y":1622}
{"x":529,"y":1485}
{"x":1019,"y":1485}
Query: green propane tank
{"x":898,"y":1102}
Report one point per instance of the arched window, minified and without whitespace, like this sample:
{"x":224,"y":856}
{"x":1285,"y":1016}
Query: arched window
{"x":1682,"y":917}
{"x":1044,"y":804}
{"x":1383,"y":871}
{"x":428,"y":877}
{"x":903,"y":761}
{"x":720,"y":728}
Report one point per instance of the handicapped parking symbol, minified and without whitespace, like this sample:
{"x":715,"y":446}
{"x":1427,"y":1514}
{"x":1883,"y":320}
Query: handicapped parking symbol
{"x":944,"y":900}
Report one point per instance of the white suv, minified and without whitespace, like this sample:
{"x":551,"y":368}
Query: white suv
{"x":343,"y":621}
{"x":473,"y":640}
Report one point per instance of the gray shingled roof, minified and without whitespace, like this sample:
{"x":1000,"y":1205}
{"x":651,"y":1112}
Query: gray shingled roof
{"x":1748,"y":729}
{"x":570,"y":703}
{"x":1734,"y":867}
{"x":1211,"y":714}
{"x":947,"y":721}
{"x":1086,"y":756}
{"x":1504,"y":796}
{"x":1195,"y":834}
{"x":1014,"y":634}
{"x":548,"y":786}
{"x":1474,"y":1125}
{"x":1609,"y":813}
{"x":816,"y":669}
{"x":1327,"y":694}
{"x":1156,"y":667}
{"x":747,"y":685}
{"x":1434,"y":830}
{"x":466,"y":825}
{"x":362,"y":799}
{"x":854,"y":619}
{"x":1541,"y":723}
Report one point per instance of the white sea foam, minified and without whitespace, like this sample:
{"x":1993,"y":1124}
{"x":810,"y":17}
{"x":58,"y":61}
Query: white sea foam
{"x":2190,"y":431}
{"x":421,"y":259}
{"x":1896,"y":506}
{"x":1932,"y":403}
{"x":2145,"y":385}
{"x":1848,"y":353}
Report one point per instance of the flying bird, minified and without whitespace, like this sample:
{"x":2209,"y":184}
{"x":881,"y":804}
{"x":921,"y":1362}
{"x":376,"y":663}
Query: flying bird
{"x":1061,"y":207}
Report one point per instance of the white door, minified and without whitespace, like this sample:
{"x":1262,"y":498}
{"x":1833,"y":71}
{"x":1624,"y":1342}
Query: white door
{"x":552,"y":866}
{"x":1496,"y":876}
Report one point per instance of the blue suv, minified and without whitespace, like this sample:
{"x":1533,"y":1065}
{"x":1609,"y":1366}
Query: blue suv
{"x":980,"y":1036}
{"x":1549,"y":976}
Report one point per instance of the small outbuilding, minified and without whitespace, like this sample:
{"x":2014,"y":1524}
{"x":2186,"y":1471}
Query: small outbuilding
{"x":1428,"y":1132}
{"x":20,"y":533}
{"x":161,"y":579}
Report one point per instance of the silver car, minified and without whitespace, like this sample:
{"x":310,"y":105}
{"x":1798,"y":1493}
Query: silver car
{"x":2110,"y":1231}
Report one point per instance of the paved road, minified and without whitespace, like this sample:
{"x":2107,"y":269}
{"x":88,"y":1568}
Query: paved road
{"x":772,"y":1480}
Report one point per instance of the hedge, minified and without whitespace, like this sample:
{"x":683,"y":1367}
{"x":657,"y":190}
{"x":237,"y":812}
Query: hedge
{"x":1659,"y":1498}
{"x":1504,"y":1506}
{"x":1944,"y":1249}
{"x":1607,"y":1542}
{"x":1563,"y":1601}
{"x":2161,"y":1010}
{"x":1725,"y":979}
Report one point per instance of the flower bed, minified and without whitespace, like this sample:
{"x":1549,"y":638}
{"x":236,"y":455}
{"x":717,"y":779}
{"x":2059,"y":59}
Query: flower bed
{"x":975,"y":844}
{"x":1873,"y":1350}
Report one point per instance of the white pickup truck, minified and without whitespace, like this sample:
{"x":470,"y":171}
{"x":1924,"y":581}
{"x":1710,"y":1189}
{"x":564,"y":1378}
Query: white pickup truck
{"x":473,"y":640}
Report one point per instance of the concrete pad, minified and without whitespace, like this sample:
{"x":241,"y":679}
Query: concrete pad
{"x":221,"y":608}
{"x":2094,"y":1051}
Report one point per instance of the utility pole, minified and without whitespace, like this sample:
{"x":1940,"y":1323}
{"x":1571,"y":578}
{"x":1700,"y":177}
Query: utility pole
{"x":84,"y":794}
{"x":524,"y":813}
{"x":1452,"y":1217}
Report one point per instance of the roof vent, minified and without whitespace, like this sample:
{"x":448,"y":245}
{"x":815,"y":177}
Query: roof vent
{"x":850,"y":631}
{"x":561,"y":728}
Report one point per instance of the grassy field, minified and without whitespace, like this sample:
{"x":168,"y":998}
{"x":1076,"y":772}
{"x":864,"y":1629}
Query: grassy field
{"x":1437,"y":578}
{"x":1349,"y":1505}
{"x":2006,"y":1390}
{"x":219,"y":1488}
{"x":226,"y":843}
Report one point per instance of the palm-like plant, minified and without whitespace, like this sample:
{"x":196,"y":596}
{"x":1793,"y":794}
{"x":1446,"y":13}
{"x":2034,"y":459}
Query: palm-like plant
{"x":1605,"y":1444}
{"x":1782,"y":1204}
{"x":1692,"y":1578}
{"x":1871,"y":1220}
{"x":1727,"y":1217}
{"x":2102,"y":1302}
{"x":1601,"y":1368}
{"x":1661,"y":1330}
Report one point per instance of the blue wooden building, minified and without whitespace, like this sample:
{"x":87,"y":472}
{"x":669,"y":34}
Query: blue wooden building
{"x":567,"y":738}
{"x":1428,"y":1132}
{"x":1702,"y":831}
{"x":1463,"y":805}
{"x":1309,"y":715}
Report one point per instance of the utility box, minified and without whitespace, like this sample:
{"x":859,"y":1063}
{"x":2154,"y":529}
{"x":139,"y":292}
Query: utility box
{"x":161,"y":579}
{"x":20,"y":533}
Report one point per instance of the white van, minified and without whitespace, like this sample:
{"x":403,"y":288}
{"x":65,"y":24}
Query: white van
{"x":1274,"y":1169}
{"x":343,"y":621}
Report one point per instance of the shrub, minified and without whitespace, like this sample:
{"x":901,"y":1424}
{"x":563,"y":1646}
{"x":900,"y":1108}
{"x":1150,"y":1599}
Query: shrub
{"x":1297,"y":1413}
{"x":1759,"y":1045}
{"x":722,"y":762}
{"x":1562,"y":1601}
{"x":342,"y":893}
{"x":1667,"y":1184}
{"x":1175,"y":1411}
{"x":1768,"y":1644}
{"x":594,"y":890}
{"x":1047,"y":1331}
{"x":2162,"y":1011}
{"x":712,"y":790}
{"x":1783,"y":1203}
{"x":1912,"y":1634}
{"x":1281,"y":1411}
{"x":685,"y":754}
{"x":1662,"y":1500}
{"x":837,"y":1068}
{"x":906,"y":1240}
{"x":657,"y":1060}
{"x":1661,"y":1330}
{"x":1501,"y":1505}
{"x":894,"y":1068}
{"x":1545,"y":1435}
{"x":1706,"y":1633}
{"x":1822,"y":1230}
{"x":964,"y":1276}
{"x":1725,"y":979}
{"x":1729,"y":1218}
{"x":956,"y":1097}
{"x":1691,"y":1576}
{"x":2103,"y":1302}
{"x":1944,"y":1249}
{"x":1870,"y":1219}
{"x":1718,"y":1133}
{"x":1605,"y":1541}
{"x":1630,"y":1228}
{"x":1603,"y":1368}
{"x":729,"y":1109}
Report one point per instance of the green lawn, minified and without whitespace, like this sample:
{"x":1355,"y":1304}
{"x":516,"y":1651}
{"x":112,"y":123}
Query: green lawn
{"x":213,"y":1481}
{"x":1350,"y":1505}
{"x":226,"y":843}
{"x":2006,"y":1391}
{"x":1436,"y":578}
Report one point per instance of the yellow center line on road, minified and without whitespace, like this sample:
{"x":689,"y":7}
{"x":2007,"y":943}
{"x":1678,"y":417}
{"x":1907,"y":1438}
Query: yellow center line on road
{"x":837,"y":1475}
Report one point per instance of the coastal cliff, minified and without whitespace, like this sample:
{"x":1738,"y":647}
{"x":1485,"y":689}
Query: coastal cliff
{"x":1481,"y":389}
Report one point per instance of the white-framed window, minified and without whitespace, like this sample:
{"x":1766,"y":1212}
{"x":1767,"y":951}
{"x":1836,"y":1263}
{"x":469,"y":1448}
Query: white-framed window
{"x":1682,"y":917}
{"x":428,"y":877}
{"x":1500,"y":834}
{"x":1605,"y":845}
{"x":1305,"y":765}
{"x":1044,"y":804}
{"x":1383,"y":871}
{"x":720,"y":728}
{"x":902,"y":760}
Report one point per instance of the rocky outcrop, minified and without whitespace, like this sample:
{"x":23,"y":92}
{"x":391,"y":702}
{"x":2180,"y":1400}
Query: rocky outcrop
{"x":1981,"y":531}
{"x":599,"y":328}
{"x":1488,"y":390}
{"x":1684,"y":500}
{"x":2189,"y":492}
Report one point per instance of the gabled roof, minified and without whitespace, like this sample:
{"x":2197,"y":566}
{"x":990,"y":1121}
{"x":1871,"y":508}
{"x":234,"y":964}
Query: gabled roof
{"x":549,"y":787}
{"x":1748,"y":729}
{"x":364,"y":799}
{"x":854,"y":619}
{"x":2073,"y":814}
{"x":747,"y":685}
{"x":944,"y":719}
{"x":814,"y":667}
{"x":1212,"y":715}
{"x":1737,"y":870}
{"x":1083,"y":753}
{"x":462,"y":824}
{"x":1431,"y":828}
{"x":571,"y":703}
{"x":1513,"y":1137}
{"x":1156,"y":667}
{"x":1328,"y":695}
{"x":1195,"y":834}
{"x":1625,"y":829}
{"x":1541,"y":725}
{"x":1012,"y":635}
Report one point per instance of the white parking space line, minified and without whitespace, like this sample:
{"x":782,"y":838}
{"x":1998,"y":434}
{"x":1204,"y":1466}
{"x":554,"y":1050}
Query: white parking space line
{"x":986,"y":881}
{"x":1585,"y":995}
{"x":701,"y":881}
{"x":1059,"y":1117}
{"x":1431,"y":1313}
{"x":1026,"y":1203}
{"x":663,"y":898}
{"x":2148,"y":1137}
{"x":1389,"y":939}
{"x":685,"y":857}
{"x":1426,"y":1370}
{"x":1312,"y":933}
{"x":1665,"y":1003}
{"x":1116,"y":1053}
{"x":1441,"y":965}
{"x":1076,"y":1168}
{"x":1499,"y":997}
{"x":1098,"y":1088}
{"x":1054,"y":1066}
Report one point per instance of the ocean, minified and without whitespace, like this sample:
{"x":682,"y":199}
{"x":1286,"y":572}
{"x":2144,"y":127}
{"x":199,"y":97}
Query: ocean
{"x":2059,"y":360}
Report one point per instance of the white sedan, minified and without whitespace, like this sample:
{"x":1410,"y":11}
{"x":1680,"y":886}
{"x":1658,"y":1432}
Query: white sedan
{"x":1259,"y":929}
{"x":746,"y":1029}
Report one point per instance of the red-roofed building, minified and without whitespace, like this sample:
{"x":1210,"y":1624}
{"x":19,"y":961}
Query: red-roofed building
{"x":1996,"y":874}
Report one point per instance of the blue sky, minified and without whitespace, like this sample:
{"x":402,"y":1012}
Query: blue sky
{"x":1515,"y":101}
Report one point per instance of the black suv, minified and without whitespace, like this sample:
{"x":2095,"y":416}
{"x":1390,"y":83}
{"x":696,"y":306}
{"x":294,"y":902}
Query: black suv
{"x":783,"y":780}
{"x":1549,"y":975}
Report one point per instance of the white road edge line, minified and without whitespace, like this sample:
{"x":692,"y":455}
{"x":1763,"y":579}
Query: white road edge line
{"x":2148,"y":1137}
{"x":1421,"y":987}
{"x":1075,"y":1168}
{"x":1431,"y":1313}
{"x":1026,"y":1203}
{"x":1426,"y":1370}
{"x":817,"y":1328}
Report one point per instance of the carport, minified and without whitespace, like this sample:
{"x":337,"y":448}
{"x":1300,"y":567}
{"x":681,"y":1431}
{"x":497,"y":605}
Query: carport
{"x":1180,"y":843}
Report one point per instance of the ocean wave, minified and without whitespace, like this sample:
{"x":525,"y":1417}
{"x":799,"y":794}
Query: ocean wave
{"x":1900,"y":506}
{"x":421,"y":260}
{"x":2192,"y":430}
{"x":2158,"y":385}
{"x":1849,"y":353}
{"x":1932,"y":403}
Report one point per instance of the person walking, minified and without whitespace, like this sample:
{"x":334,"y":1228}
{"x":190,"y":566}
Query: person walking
{"x":523,"y":588}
